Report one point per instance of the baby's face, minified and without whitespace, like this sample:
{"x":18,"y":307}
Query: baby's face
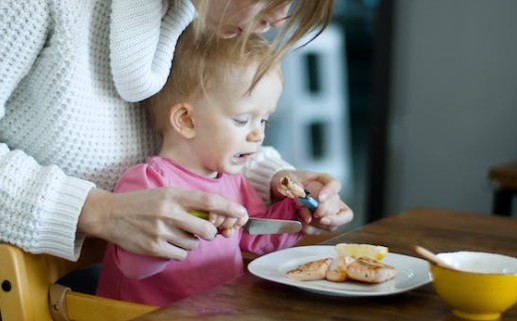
{"x":230,"y":124}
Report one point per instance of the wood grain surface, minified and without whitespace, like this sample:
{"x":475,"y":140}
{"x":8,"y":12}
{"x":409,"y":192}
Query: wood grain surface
{"x":251,"y":298}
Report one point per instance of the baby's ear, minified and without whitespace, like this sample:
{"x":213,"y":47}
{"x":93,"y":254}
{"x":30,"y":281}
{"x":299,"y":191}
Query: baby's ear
{"x":180,"y":118}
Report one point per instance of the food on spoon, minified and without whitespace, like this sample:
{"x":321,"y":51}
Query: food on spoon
{"x":377,"y":252}
{"x":314,"y":270}
{"x":370,"y":270}
{"x":290,"y":189}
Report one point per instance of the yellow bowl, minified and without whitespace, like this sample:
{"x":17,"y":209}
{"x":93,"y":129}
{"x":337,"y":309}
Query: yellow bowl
{"x":481,"y":287}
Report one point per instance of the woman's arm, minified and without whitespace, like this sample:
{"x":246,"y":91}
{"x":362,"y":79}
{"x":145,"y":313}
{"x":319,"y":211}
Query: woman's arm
{"x":140,"y":64}
{"x":39,"y":206}
{"x":144,"y":217}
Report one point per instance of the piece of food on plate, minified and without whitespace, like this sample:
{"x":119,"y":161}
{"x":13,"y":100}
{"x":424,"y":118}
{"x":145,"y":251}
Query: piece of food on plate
{"x":290,"y":189}
{"x":336,"y":275}
{"x":355,"y":261}
{"x":377,"y":252}
{"x":314,"y":270}
{"x":369,"y":270}
{"x":342,"y":262}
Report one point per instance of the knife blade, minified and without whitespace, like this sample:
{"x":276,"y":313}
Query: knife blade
{"x":256,"y":226}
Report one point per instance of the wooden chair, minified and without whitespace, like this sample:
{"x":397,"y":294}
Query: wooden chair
{"x":504,"y":178}
{"x":29,"y":292}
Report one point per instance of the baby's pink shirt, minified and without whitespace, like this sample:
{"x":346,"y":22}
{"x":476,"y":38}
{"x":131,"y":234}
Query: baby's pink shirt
{"x":156,"y":281}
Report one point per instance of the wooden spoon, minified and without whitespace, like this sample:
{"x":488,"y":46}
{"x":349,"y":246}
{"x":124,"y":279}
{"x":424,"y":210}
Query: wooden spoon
{"x":431,"y":257}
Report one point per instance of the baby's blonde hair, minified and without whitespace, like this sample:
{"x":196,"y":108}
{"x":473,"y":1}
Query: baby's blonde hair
{"x":201,"y":63}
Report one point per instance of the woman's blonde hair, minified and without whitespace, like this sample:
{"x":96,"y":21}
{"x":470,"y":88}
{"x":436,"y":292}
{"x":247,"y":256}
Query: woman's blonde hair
{"x":305,"y":16}
{"x":201,"y":63}
{"x":201,"y":57}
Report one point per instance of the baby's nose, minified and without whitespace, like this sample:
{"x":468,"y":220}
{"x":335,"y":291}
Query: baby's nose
{"x":256,"y":135}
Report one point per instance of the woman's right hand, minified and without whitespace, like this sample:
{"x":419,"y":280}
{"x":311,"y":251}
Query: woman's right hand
{"x":154,"y":222}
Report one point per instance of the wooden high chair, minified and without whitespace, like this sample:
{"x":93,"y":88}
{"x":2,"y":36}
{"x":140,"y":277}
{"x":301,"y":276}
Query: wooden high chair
{"x":29,"y":293}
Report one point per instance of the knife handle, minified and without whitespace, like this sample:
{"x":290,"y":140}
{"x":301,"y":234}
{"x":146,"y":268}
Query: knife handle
{"x":309,"y":202}
{"x":200,"y":214}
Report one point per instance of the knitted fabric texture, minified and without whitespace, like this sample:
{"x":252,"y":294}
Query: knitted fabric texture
{"x":69,"y":74}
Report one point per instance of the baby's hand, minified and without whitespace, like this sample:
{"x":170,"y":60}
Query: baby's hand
{"x":226,"y":225}
{"x":331,"y":212}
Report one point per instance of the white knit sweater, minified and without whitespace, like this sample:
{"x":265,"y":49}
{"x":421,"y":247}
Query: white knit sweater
{"x":70,"y":72}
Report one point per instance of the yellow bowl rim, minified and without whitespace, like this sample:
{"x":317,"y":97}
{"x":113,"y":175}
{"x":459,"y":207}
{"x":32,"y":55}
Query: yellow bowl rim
{"x":475,"y":273}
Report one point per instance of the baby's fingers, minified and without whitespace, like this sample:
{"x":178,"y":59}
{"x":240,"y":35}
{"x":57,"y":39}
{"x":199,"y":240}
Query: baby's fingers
{"x":227,"y":232}
{"x":305,"y":214}
{"x":333,"y":220}
{"x":329,"y":207}
{"x":241,"y":222}
{"x":229,"y":223}
{"x":216,"y":219}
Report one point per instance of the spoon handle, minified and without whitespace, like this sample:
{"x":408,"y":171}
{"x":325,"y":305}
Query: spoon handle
{"x":430,"y":256}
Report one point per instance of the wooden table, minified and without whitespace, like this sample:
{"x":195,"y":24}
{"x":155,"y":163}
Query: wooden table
{"x":251,"y":298}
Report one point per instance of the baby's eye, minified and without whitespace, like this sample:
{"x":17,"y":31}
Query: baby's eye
{"x":241,"y":120}
{"x":265,"y":121}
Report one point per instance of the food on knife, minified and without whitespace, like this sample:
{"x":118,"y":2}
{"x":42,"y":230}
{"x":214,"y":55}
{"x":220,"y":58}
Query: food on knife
{"x":370,"y":270}
{"x":377,"y":252}
{"x":290,"y":189}
{"x":314,"y":270}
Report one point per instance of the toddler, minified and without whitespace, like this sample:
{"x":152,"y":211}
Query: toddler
{"x":211,"y":116}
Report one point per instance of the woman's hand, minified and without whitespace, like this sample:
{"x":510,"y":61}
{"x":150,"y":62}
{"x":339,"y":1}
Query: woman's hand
{"x":332,"y":211}
{"x":155,"y":221}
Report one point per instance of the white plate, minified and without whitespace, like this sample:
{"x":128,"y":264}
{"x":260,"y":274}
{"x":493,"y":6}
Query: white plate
{"x":411,"y":272}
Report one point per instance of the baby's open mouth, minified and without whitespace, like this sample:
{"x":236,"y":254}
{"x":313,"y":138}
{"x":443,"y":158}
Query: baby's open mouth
{"x":240,"y":159}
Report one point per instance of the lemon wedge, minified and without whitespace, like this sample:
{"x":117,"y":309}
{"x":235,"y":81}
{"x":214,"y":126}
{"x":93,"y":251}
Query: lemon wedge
{"x":377,"y":252}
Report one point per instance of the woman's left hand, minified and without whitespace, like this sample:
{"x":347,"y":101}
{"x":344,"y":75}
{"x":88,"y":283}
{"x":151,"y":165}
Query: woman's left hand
{"x":332,"y":211}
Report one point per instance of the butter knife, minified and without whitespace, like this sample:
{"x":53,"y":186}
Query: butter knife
{"x":256,"y":226}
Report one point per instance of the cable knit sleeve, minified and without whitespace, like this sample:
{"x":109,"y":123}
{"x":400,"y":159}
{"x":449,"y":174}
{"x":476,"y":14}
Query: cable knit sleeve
{"x":142,"y":41}
{"x":39,"y":206}
{"x":260,"y":169}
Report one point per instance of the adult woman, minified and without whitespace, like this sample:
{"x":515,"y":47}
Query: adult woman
{"x":69,"y":74}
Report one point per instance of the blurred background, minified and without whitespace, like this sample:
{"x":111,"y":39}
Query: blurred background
{"x":407,"y":102}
